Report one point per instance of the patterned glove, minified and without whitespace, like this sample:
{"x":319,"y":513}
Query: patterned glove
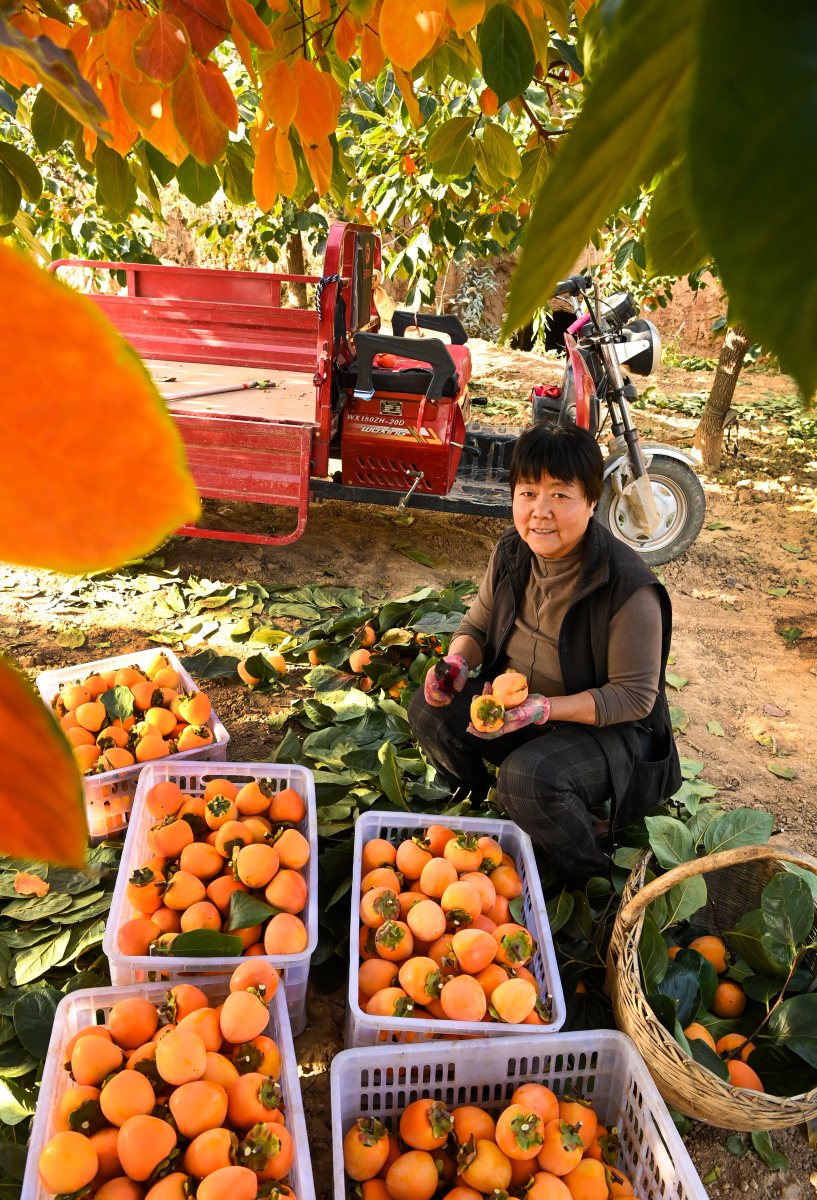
{"x":533,"y":711}
{"x":445,"y":680}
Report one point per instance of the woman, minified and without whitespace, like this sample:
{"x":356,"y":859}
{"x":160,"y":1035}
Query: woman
{"x":588,"y":624}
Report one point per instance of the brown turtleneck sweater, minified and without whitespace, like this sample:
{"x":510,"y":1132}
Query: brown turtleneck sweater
{"x":634,"y":654}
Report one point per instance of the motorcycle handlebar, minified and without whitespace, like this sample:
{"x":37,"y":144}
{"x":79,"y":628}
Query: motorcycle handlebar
{"x":573,"y":285}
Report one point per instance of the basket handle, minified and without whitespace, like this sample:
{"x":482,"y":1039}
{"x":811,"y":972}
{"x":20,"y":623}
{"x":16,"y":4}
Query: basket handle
{"x":700,"y":866}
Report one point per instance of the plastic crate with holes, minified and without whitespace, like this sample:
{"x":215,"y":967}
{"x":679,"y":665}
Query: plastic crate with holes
{"x":193,"y":778}
{"x":109,"y":797}
{"x":92,"y":1007}
{"x":603,"y":1065}
{"x":364,"y":1030}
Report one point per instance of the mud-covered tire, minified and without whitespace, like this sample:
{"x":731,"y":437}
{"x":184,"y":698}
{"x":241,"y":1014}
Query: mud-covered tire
{"x":681,"y":501}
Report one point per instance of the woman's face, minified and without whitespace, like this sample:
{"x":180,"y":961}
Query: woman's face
{"x":551,"y":516}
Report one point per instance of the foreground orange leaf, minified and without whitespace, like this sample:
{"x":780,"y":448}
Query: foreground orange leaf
{"x":121,"y":126}
{"x":372,"y":57}
{"x":286,"y":166}
{"x":242,"y":45}
{"x":265,"y":173}
{"x":466,"y":14}
{"x":409,"y":29}
{"x":217,"y":92}
{"x":318,"y":103}
{"x":72,"y":387}
{"x":206,"y":21}
{"x":582,"y":9}
{"x":279,"y":95}
{"x":346,"y":33}
{"x":403,"y":81}
{"x":202,"y":130}
{"x":162,"y":49}
{"x":143,"y":101}
{"x":118,"y":39}
{"x":319,"y":161}
{"x":30,"y":885}
{"x":163,"y":134}
{"x":42,"y":807}
{"x":250,"y":24}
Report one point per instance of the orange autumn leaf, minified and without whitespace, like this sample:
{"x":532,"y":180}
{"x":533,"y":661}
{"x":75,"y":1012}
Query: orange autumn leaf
{"x":242,"y":45}
{"x":407,"y":92}
{"x":279,"y":94}
{"x":265,"y":173}
{"x":286,"y":166}
{"x":250,"y":24}
{"x":317,"y":113}
{"x":44,"y":479}
{"x":30,"y":885}
{"x":372,"y":58}
{"x":319,"y":161}
{"x":118,"y":40}
{"x":582,"y":9}
{"x":409,"y":29}
{"x":206,"y":21}
{"x":42,"y":806}
{"x":164,"y":135}
{"x":59,"y":33}
{"x":218,"y":93}
{"x":143,"y":101}
{"x":346,"y":35}
{"x":78,"y":42}
{"x":201,"y":129}
{"x":12,"y":70}
{"x":121,"y":125}
{"x":466,"y":14}
{"x":162,"y":49}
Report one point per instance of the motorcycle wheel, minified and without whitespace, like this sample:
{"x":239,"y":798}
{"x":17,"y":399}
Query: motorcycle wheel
{"x":681,"y":503}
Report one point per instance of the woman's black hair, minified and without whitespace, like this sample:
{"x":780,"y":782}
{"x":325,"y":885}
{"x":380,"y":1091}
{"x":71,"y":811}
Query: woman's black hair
{"x":566,"y":452}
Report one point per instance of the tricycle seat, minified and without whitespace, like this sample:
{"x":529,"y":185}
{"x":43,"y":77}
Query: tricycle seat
{"x":408,"y":377}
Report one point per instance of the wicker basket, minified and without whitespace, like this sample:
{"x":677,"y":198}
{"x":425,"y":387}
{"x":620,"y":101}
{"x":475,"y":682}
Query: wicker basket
{"x":738,"y":878}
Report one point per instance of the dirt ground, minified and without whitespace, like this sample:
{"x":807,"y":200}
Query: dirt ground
{"x":740,"y":671}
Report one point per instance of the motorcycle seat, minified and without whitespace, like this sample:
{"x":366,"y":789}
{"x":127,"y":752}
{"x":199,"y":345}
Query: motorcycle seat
{"x":409,"y":377}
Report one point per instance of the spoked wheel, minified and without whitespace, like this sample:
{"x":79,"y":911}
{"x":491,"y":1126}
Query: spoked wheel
{"x":681,"y":503}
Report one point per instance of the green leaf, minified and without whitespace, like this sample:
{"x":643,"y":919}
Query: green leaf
{"x":685,"y":899}
{"x":558,"y":14}
{"x":715,"y":728}
{"x":501,"y":150}
{"x":706,"y":974}
{"x":773,"y":1159}
{"x":652,"y":955}
{"x":736,"y":1145}
{"x":50,"y":123}
{"x":670,"y":840}
{"x":665,"y":1009}
{"x":32,"y":963}
{"x":207,"y":943}
{"x":196,"y":182}
{"x":118,"y":703}
{"x":779,"y":592}
{"x":162,"y":167}
{"x":763,"y":236}
{"x":208,"y":664}
{"x":782,"y":1072}
{"x":788,"y":909}
{"x":718,"y":525}
{"x":451,"y":149}
{"x":508,"y":57}
{"x":236,"y":176}
{"x":34,"y":909}
{"x":682,"y":985}
{"x":560,"y":910}
{"x":390,"y":776}
{"x":739,"y":827}
{"x":247,"y":911}
{"x":706,"y":1056}
{"x":13,"y":1158}
{"x":615,"y":143}
{"x":71,"y":639}
{"x":10,"y":195}
{"x":790,"y":633}
{"x":113,"y":178}
{"x":672,"y":237}
{"x":15,"y":1104}
{"x":747,"y":939}
{"x":33,"y":1019}
{"x":781,"y":771}
{"x":534,"y":168}
{"x":15,"y":1062}
{"x":794,"y":1023}
{"x":792,"y":549}
{"x":676,"y":681}
{"x":679,"y":718}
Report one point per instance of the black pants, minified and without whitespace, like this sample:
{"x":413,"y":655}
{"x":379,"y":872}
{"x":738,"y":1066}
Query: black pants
{"x":549,"y":777}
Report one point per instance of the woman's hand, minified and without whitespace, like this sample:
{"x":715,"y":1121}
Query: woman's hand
{"x":533,"y":711}
{"x":444,"y":680}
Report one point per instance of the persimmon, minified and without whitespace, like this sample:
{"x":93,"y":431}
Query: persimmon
{"x":260,"y":1055}
{"x":68,"y":1162}
{"x":143,"y":1142}
{"x":167,"y":678}
{"x":437,"y":837}
{"x":379,"y":905}
{"x":71,"y":1101}
{"x":116,"y":759}
{"x":507,"y":881}
{"x":619,"y":1184}
{"x":359,"y":659}
{"x":514,"y":1000}
{"x":162,"y":719}
{"x":374,"y":1189}
{"x":120,"y":1188}
{"x":412,"y":856}
{"x":93,"y":1058}
{"x":151,"y":747}
{"x":463,"y":852}
{"x":243,"y":1016}
{"x":381,"y":877}
{"x":376,"y":974}
{"x":701,"y":1033}
{"x":270,"y":1142}
{"x":421,"y":979}
{"x":442,"y":951}
{"x":413,"y":1176}
{"x":113,"y":735}
{"x":426,"y":920}
{"x":126,"y":1094}
{"x":474,"y":949}
{"x":484,"y":923}
{"x":287,"y":805}
{"x":194,"y":708}
{"x":205,"y":1023}
{"x":86,"y":756}
{"x":105,"y":1142}
{"x":515,"y":946}
{"x":394,"y":941}
{"x":287,"y":891}
{"x":293,"y":849}
{"x":220,"y":891}
{"x":262,"y":977}
{"x":367,"y":947}
{"x":228,"y":1183}
{"x":463,"y":999}
{"x":198,"y":1106}
{"x":489,"y":1170}
{"x":142,"y":1054}
{"x":482,"y":883}
{"x":69,"y":721}
{"x":519,"y":1132}
{"x":171,"y":836}
{"x":490,"y":978}
{"x":75,"y":694}
{"x":463,"y":1193}
{"x":461,"y":903}
{"x":587,"y":1180}
{"x":174,"y":1186}
{"x":426,"y":1124}
{"x":285,"y":934}
{"x":253,"y":798}
{"x":545,"y":1186}
{"x":500,"y":914}
{"x":253,"y":1097}
{"x":437,"y":875}
{"x":743,"y":1076}
{"x":218,"y":810}
{"x":181,"y":1057}
{"x":511,"y":688}
{"x":731,"y":1041}
{"x":232,"y":835}
{"x":580,"y":1116}
{"x":87,"y":1031}
{"x":539,"y":1099}
{"x":210,"y":1151}
{"x":78,"y":736}
{"x":135,"y":937}
{"x":473,"y":1122}
{"x":729,"y":1000}
{"x":562,"y":1148}
{"x":377,"y":853}
{"x":390,"y":1002}
{"x":183,"y":890}
{"x":146,"y":694}
{"x":132,"y":1022}
{"x":491,"y":853}
{"x":92,"y":715}
{"x":201,"y":860}
{"x":220,"y":787}
{"x":713,"y":949}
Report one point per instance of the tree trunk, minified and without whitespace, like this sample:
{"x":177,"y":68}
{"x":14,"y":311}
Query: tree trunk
{"x":709,"y":434}
{"x":296,"y":266}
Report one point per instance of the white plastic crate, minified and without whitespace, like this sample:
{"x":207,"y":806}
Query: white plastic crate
{"x":193,"y":778}
{"x":603,"y":1064}
{"x":363,"y":1030}
{"x":91,"y":1007}
{"x":109,"y":797}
